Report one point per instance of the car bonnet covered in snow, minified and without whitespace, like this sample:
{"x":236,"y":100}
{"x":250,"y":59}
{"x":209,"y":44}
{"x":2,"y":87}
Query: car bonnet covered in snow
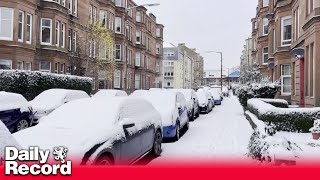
{"x":6,"y":139}
{"x":110,"y":93}
{"x":202,"y":97}
{"x":81,"y":124}
{"x":165,"y":103}
{"x":53,"y":98}
{"x":11,"y":101}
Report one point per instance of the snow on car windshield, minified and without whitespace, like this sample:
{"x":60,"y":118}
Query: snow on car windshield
{"x":202,"y":97}
{"x":49,"y":99}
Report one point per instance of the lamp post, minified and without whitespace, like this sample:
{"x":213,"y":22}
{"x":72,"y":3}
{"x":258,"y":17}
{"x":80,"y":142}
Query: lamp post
{"x":221,"y":55}
{"x":127,"y":9}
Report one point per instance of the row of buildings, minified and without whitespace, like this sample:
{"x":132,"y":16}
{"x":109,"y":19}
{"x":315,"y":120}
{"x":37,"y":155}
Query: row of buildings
{"x":42,"y":35}
{"x":284,"y":43}
{"x":183,"y":67}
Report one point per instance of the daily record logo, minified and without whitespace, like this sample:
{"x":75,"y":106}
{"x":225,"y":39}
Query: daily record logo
{"x":34,"y":161}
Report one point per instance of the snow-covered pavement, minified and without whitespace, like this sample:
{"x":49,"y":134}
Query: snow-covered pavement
{"x":222,"y":134}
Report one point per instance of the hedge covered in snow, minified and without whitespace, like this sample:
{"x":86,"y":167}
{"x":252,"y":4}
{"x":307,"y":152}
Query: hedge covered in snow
{"x":32,"y":83}
{"x":281,"y":103}
{"x":284,"y":119}
{"x":256,"y":90}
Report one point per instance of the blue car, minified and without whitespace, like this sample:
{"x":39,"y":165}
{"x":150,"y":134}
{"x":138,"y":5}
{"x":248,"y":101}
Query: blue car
{"x":15,"y":112}
{"x":172,"y":107}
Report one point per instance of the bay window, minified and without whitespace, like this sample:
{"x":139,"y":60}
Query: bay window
{"x":138,"y":16}
{"x":117,"y":79}
{"x":138,"y":59}
{"x":5,"y":64}
{"x":265,"y":55}
{"x":138,"y":37}
{"x":20,"y":65}
{"x":118,"y":52}
{"x":20,"y":26}
{"x":6,"y":23}
{"x":63,"y":35}
{"x":57,"y":33}
{"x":118,"y":25}
{"x":265,"y":23}
{"x":137,"y":81}
{"x":286,"y":79}
{"x":28,"y":66}
{"x":103,"y":18}
{"x":46,"y":31}
{"x":29,"y":29}
{"x":286,"y":29}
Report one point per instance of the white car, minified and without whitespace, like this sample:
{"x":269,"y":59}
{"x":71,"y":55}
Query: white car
{"x":51,"y":99}
{"x":106,"y":131}
{"x":172,"y":107}
{"x":138,"y":93}
{"x":205,"y":101}
{"x":110,"y":93}
{"x":218,"y":90}
{"x":192,"y":102}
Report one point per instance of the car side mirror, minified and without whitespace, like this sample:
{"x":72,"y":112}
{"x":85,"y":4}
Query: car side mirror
{"x":127,"y":123}
{"x":179,"y":105}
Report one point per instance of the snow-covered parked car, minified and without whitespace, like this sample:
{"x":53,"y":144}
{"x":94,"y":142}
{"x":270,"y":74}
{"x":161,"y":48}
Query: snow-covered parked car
{"x":172,"y":107}
{"x":216,"y":97}
{"x":110,"y":93}
{"x":138,"y":93}
{"x":51,"y":99}
{"x":225,"y":91}
{"x":131,"y":129}
{"x":218,"y":89}
{"x":192,"y":102}
{"x":205,"y":101}
{"x":6,"y":140}
{"x":15,"y":111}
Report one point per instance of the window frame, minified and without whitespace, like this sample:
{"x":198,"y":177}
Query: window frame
{"x":30,"y":25}
{"x":265,"y":20}
{"x":265,"y":61}
{"x":22,"y":25}
{"x":12,"y":21}
{"x":285,"y":76}
{"x":282,"y":32}
{"x":118,"y":49}
{"x":57,"y":31}
{"x":118,"y":23}
{"x":41,"y":32}
{"x":117,"y":75}
{"x":45,"y":70}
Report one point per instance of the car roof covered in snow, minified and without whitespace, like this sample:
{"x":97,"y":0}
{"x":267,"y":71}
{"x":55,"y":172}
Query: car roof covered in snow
{"x":11,"y":101}
{"x":110,"y":93}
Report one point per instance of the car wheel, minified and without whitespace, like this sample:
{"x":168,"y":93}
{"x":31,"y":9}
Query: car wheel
{"x":187,"y":125}
{"x":104,"y":161}
{"x":177,"y":137}
{"x":156,"y":150}
{"x":198,"y":113}
{"x":192,"y":116}
{"x":22,"y":124}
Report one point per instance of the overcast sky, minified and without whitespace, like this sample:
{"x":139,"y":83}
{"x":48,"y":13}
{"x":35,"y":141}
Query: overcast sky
{"x":206,"y":25}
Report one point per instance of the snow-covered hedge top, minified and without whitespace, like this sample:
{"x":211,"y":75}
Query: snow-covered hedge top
{"x":263,"y":108}
{"x":316,"y":127}
{"x":282,"y":101}
{"x":10,"y":101}
{"x":260,"y":125}
{"x":6,"y":139}
{"x":13,"y":73}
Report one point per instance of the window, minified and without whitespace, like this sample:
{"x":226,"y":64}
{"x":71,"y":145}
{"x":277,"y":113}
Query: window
{"x":138,"y":59}
{"x":62,"y":68}
{"x":158,"y":49}
{"x":70,"y":6}
{"x":103,"y":18}
{"x":94,"y":14}
{"x":29,"y":29}
{"x":102,"y":51}
{"x":117,"y":79}
{"x":265,"y":55}
{"x":94,"y":48}
{"x":137,"y":81}
{"x":46,"y":31}
{"x":265,"y":26}
{"x":20,"y":26}
{"x":74,"y":41}
{"x":45,"y":66}
{"x":286,"y":79}
{"x":20,"y":65}
{"x":286,"y":28}
{"x":70,"y":39}
{"x":168,"y":84}
{"x":56,"y":68}
{"x":90,"y":14}
{"x":63,"y":34}
{"x":265,"y":3}
{"x":310,"y":6}
{"x":118,"y":3}
{"x":118,"y":25}
{"x":28,"y":66}
{"x":75,"y":7}
{"x":158,"y":32}
{"x":5,"y":64}
{"x":57,"y":33}
{"x":157,"y":67}
{"x":6,"y":24}
{"x":138,"y":37}
{"x":138,"y":16}
{"x":118,"y":52}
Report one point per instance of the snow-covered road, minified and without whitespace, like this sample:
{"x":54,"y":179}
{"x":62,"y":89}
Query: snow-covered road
{"x":224,"y":133}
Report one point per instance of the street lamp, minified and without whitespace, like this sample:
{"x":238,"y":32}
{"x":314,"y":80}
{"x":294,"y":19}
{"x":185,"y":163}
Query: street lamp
{"x":127,"y":9}
{"x":208,"y":52}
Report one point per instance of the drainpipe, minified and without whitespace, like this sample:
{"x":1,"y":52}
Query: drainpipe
{"x":302,"y":81}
